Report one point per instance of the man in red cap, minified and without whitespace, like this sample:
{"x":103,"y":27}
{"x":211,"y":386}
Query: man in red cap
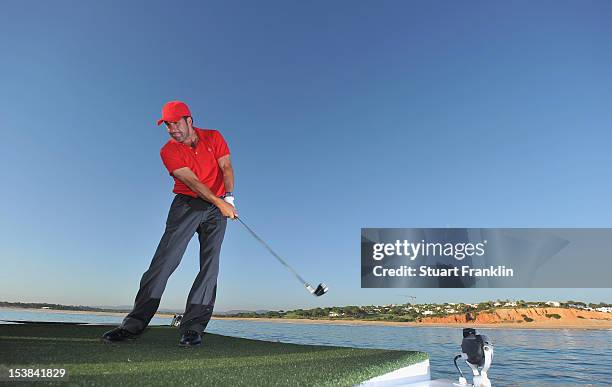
{"x":199,"y":162}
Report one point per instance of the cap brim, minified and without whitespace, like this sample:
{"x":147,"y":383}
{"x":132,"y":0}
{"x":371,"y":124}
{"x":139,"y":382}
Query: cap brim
{"x":169,"y":119}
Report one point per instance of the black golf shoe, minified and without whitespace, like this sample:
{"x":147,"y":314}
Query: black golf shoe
{"x":190,"y":339}
{"x":119,"y":335}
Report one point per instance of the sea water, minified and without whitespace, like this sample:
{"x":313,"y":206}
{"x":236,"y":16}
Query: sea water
{"x":522,"y":356}
{"x":550,"y":356}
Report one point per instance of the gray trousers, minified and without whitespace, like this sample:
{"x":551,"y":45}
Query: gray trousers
{"x":187,"y":216}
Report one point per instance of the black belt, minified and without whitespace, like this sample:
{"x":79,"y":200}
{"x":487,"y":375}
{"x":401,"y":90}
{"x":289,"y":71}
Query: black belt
{"x":195,"y":203}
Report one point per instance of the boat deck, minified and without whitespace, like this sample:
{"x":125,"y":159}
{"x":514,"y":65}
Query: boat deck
{"x":156,"y":359}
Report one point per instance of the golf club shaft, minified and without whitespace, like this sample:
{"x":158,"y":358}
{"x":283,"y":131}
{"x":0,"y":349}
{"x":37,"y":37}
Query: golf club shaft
{"x":273,"y":253}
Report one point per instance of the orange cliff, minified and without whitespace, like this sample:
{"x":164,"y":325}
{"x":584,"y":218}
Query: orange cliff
{"x":517,"y":315}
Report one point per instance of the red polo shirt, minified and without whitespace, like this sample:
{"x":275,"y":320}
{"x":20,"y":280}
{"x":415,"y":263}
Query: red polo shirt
{"x":202,"y":161}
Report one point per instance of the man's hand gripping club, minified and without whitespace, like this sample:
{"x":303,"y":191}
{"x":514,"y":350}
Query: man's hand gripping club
{"x":190,"y":179}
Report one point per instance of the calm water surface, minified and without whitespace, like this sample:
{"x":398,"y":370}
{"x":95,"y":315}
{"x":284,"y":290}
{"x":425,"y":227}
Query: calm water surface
{"x":559,"y":356}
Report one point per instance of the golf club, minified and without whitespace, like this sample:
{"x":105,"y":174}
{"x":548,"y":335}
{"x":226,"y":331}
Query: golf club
{"x":319,"y":291}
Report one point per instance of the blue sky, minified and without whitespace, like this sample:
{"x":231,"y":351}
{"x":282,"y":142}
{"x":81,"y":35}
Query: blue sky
{"x":339,"y":115}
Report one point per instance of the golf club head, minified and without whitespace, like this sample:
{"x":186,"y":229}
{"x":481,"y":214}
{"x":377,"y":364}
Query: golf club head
{"x":321,"y":290}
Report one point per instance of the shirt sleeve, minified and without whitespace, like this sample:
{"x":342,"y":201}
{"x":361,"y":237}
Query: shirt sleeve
{"x":220,"y":146}
{"x":172,"y":159}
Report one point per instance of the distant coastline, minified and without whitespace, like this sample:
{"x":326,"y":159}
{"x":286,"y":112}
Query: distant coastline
{"x":539,"y":324}
{"x":586,"y":324}
{"x":66,"y":308}
{"x":498,"y":317}
{"x":84,"y":311}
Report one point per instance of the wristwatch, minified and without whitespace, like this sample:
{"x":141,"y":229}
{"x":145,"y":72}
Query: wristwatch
{"x":229,"y":194}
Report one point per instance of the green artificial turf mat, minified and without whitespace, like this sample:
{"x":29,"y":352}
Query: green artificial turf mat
{"x":156,"y":359}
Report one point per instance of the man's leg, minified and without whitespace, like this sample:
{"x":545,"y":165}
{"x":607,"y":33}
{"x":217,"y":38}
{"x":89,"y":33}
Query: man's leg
{"x":182,"y":223}
{"x":201,"y":298}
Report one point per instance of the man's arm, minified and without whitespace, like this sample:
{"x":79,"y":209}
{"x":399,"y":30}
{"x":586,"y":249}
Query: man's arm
{"x":190,"y":179}
{"x":228,"y":172}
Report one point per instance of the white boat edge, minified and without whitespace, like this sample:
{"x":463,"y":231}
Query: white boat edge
{"x":418,"y":372}
{"x":416,"y":375}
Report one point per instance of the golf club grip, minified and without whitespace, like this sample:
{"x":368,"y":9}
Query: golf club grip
{"x":272,"y":251}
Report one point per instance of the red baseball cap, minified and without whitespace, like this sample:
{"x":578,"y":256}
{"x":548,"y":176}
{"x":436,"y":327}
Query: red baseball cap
{"x":173,"y":111}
